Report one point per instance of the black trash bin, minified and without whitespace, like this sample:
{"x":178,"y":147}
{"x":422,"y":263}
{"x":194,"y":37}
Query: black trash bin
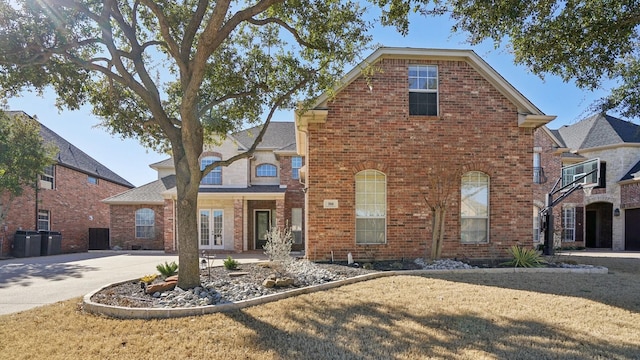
{"x":26,"y":243}
{"x":50,"y":243}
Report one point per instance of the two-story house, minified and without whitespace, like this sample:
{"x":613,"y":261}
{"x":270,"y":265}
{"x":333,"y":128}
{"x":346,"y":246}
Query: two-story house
{"x":68,"y":198}
{"x":608,"y":216}
{"x":237,"y":204}
{"x":401,"y":121}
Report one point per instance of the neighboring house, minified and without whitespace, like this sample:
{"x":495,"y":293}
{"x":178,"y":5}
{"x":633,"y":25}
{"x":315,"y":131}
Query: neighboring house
{"x":237,"y":204}
{"x":68,"y":198}
{"x":610,"y":216}
{"x":375,"y":144}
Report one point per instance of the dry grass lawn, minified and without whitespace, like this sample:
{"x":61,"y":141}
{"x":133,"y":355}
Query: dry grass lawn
{"x":508,"y":316}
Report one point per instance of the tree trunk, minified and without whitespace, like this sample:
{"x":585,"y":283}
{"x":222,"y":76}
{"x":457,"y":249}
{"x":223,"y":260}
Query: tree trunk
{"x":187,"y":185}
{"x":437,"y":234}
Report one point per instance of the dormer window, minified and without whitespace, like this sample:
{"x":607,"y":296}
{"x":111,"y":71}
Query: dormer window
{"x":214,"y":177}
{"x":266,"y":170}
{"x":423,"y":90}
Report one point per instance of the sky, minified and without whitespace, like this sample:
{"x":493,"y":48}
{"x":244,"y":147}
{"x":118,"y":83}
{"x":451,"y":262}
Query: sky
{"x":131,"y":160}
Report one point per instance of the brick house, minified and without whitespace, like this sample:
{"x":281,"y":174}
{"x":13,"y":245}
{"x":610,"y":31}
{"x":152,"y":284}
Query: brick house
{"x":68,"y":198}
{"x":236,"y":204}
{"x":609,"y":217}
{"x":371,"y":147}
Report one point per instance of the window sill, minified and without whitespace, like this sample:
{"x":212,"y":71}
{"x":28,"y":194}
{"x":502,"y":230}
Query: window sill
{"x":425,"y":117}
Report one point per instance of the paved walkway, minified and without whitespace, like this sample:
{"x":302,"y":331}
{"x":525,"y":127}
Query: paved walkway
{"x":26,"y":283}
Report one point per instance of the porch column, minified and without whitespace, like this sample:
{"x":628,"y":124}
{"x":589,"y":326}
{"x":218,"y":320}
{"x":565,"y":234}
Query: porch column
{"x":238,"y":224}
{"x":280,"y":213}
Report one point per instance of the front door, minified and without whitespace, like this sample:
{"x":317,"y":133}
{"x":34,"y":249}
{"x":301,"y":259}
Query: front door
{"x":632,"y":229}
{"x":210,"y":229}
{"x":262,"y":226}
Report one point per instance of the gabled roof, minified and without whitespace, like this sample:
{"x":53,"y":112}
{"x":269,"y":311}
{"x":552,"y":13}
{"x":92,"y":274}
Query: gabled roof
{"x":529,"y":114}
{"x":150,"y":193}
{"x":71,"y":157}
{"x":599,"y":130}
{"x":279,"y":135}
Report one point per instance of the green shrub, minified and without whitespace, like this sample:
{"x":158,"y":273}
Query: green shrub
{"x":168,"y":269}
{"x":524,"y":257}
{"x":229,"y":263}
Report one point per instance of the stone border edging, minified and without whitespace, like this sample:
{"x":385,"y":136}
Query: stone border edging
{"x":121,"y":312}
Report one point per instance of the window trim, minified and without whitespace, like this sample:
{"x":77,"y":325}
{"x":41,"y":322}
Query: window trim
{"x":48,"y":177}
{"x":215,"y":180}
{"x":488,"y":208}
{"x":152,"y":225}
{"x":295,"y":170}
{"x":435,"y":91}
{"x":568,"y":213}
{"x":382,"y":217}
{"x":267,"y":166}
{"x":47,"y":214}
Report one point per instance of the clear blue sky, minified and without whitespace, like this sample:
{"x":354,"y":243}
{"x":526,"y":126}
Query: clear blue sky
{"x":131,"y":161}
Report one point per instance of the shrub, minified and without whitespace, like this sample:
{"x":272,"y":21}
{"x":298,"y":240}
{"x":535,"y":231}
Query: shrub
{"x":524,"y":257}
{"x":278,"y":246}
{"x":230,"y":263}
{"x":168,"y":269}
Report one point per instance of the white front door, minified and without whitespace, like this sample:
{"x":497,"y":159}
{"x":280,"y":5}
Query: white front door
{"x":210,"y":229}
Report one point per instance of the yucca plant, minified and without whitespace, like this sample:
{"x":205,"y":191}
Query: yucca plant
{"x":167,"y":269}
{"x":523,"y":257}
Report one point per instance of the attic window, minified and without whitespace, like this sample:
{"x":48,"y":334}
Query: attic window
{"x":92,"y":180}
{"x":423,"y":90}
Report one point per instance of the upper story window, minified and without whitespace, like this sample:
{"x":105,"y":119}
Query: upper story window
{"x":266,"y":170}
{"x":145,"y":223}
{"x":371,"y":207}
{"x":92,"y":180}
{"x":47,"y":177}
{"x":538,"y":171}
{"x":474,"y":207}
{"x":296,"y":164}
{"x":214,"y":177}
{"x":423,"y":90}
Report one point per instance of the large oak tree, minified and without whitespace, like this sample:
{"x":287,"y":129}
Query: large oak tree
{"x":176,"y":73}
{"x":595,"y":43}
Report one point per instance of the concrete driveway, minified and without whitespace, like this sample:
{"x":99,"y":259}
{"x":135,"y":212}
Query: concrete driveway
{"x":26,"y":283}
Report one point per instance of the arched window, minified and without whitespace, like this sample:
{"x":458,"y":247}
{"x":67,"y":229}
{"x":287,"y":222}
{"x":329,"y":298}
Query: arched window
{"x":371,"y":207}
{"x":214,"y":177}
{"x":474,"y":207}
{"x":145,"y":223}
{"x":266,"y":170}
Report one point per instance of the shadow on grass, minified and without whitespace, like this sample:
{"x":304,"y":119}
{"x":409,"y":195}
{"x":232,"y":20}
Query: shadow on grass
{"x":370,"y":330}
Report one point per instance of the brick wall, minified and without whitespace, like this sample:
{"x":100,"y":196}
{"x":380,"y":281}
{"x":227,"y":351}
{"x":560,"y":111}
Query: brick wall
{"x":124,"y":234}
{"x":630,"y":195}
{"x":370,"y":127}
{"x":74,"y":207}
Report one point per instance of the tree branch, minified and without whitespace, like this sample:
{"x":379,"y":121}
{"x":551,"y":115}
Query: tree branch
{"x":291,"y":30}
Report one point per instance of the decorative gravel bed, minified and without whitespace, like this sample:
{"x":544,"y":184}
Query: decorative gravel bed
{"x":220,"y":286}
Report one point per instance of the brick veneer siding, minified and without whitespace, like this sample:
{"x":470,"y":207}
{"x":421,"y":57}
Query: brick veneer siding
{"x":170,"y":245}
{"x":630,"y":195}
{"x":123,"y":229}
{"x":74,"y":207}
{"x":371,"y":127}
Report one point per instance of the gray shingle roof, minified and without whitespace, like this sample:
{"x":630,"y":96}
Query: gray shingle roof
{"x":629,"y":174}
{"x":278,"y":135}
{"x":71,"y":157}
{"x":150,"y":193}
{"x":599,"y":130}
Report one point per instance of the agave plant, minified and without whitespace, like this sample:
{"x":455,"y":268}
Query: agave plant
{"x":523,"y":257}
{"x":168,"y":269}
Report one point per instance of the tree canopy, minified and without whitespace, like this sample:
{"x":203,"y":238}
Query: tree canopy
{"x":23,"y":156}
{"x":174,"y":74}
{"x":592,"y":42}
